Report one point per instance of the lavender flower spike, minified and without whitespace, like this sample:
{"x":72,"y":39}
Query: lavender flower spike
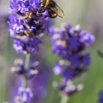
{"x":26,"y":25}
{"x":68,"y":43}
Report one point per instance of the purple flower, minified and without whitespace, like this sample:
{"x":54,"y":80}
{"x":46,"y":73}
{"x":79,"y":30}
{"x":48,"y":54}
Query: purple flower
{"x":36,"y":84}
{"x":72,"y":67}
{"x":18,"y":45}
{"x":87,"y":38}
{"x":86,"y":59}
{"x":73,"y":43}
{"x":15,"y":25}
{"x":69,"y":42}
{"x":68,"y":88}
{"x":59,"y":50}
{"x":67,"y":74}
{"x":13,"y":6}
{"x":25,"y":94}
{"x":57,"y":69}
{"x":21,"y":70}
{"x":100,"y":97}
{"x":75,"y":61}
{"x":34,"y":4}
{"x":22,"y":28}
{"x":23,"y":6}
{"x":18,"y":67}
{"x":27,"y":25}
{"x":27,"y":45}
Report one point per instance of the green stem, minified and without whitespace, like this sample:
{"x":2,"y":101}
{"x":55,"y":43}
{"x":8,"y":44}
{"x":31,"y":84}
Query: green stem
{"x":26,"y":67}
{"x":27,"y":61}
{"x":64,"y":99}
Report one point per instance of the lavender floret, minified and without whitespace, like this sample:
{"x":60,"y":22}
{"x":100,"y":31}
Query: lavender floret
{"x":25,"y":94}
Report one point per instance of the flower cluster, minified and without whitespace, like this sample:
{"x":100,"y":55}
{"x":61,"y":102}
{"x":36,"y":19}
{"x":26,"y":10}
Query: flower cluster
{"x":73,"y":67}
{"x":27,"y":25}
{"x":67,"y":88}
{"x":100,"y":97}
{"x":24,"y":93}
{"x":68,"y":43}
{"x":21,"y":70}
{"x":35,"y":89}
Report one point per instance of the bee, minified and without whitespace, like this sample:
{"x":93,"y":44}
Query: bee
{"x":53,"y":9}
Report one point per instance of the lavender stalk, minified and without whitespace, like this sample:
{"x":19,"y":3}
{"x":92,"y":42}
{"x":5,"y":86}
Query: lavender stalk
{"x":26,"y":68}
{"x":64,"y":99}
{"x":26,"y":26}
{"x":68,"y":42}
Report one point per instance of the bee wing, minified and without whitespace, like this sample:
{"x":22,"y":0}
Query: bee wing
{"x":58,"y":11}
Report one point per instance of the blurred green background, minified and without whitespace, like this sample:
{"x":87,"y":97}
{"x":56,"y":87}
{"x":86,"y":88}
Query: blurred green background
{"x":87,"y":13}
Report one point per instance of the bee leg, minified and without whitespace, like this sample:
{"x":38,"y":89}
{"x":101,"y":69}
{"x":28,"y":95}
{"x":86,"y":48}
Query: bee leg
{"x":46,"y":16}
{"x":43,"y":10}
{"x":40,"y":12}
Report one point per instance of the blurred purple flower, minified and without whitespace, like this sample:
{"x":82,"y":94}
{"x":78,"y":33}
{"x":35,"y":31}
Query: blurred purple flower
{"x":75,"y":61}
{"x":25,"y":94}
{"x":100,"y":97}
{"x":87,"y":39}
{"x":57,"y":69}
{"x":86,"y":59}
{"x":69,"y":42}
{"x":21,"y":70}
{"x":72,"y":67}
{"x":67,"y":74}
{"x":73,"y":43}
{"x":37,"y":83}
{"x":68,"y":88}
